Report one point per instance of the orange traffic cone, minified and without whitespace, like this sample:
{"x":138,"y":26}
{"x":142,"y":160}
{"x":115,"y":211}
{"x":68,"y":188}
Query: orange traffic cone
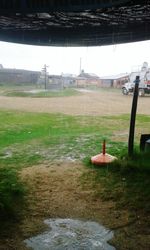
{"x":103,"y":158}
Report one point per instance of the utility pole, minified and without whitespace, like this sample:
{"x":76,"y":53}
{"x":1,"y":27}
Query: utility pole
{"x":44,"y":70}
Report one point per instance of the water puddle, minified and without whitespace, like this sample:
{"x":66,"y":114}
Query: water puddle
{"x":69,"y":234}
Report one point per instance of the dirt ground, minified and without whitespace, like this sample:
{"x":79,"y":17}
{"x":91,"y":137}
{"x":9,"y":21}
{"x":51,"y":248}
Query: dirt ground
{"x":88,"y":103}
{"x":57,"y":190}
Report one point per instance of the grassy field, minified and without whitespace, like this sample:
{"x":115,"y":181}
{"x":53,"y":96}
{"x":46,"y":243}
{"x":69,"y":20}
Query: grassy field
{"x":32,"y":91}
{"x":29,"y":139}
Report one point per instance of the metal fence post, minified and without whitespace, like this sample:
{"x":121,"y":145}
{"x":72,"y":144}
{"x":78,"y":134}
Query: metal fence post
{"x":132,"y":118}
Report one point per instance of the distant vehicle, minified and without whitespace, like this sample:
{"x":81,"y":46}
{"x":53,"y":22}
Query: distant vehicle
{"x":144,"y":88}
{"x":144,"y":85}
{"x":127,"y":88}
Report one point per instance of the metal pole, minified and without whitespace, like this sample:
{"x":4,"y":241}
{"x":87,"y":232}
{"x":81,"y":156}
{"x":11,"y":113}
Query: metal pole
{"x":45,"y":74}
{"x":80,"y":65}
{"x":133,"y":117}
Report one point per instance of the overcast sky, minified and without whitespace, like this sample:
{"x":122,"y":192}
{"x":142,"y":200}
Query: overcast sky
{"x":103,"y":60}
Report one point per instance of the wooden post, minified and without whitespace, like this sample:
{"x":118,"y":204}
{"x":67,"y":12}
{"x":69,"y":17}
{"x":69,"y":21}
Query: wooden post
{"x":133,"y":116}
{"x":45,"y":72}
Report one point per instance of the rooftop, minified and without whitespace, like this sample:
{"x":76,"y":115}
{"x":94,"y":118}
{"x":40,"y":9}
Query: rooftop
{"x":115,"y":77}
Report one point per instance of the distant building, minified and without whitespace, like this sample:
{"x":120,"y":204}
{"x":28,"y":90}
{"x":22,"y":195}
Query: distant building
{"x":87,"y":79}
{"x":61,"y":81}
{"x":114,"y":81}
{"x":18,"y":76}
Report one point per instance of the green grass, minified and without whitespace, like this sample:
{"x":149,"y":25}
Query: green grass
{"x":11,"y":193}
{"x":27,"y":139}
{"x":45,"y":136}
{"x":126,"y":182}
{"x":47,"y":93}
{"x":34,"y":137}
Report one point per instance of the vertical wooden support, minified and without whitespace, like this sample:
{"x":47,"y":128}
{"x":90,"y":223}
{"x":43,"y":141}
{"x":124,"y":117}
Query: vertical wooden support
{"x":133,"y":117}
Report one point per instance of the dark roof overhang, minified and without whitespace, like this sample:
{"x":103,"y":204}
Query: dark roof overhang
{"x":74,"y":22}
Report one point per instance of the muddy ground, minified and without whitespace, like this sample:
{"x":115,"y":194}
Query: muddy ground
{"x":88,"y":103}
{"x":57,"y":191}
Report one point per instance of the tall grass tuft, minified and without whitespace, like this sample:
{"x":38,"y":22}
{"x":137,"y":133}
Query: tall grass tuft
{"x":11,"y":193}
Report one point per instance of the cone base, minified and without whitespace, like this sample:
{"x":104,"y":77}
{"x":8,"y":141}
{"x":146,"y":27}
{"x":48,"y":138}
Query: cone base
{"x":102,"y":159}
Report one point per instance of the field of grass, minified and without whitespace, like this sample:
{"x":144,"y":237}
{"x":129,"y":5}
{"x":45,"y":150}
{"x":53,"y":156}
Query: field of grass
{"x":34,"y":92}
{"x":31,"y":137}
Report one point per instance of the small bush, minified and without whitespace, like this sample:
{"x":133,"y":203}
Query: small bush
{"x":11,"y":193}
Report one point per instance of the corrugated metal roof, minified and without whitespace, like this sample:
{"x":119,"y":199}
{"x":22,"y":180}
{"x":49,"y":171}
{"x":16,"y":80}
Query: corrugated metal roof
{"x":74,"y":22}
{"x":88,"y":75}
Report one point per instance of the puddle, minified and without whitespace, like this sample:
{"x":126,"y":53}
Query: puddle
{"x":86,"y":90}
{"x":6,"y":155}
{"x":69,"y":234}
{"x":35,"y":91}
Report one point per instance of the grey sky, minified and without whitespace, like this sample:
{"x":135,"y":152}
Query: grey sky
{"x":104,"y":60}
